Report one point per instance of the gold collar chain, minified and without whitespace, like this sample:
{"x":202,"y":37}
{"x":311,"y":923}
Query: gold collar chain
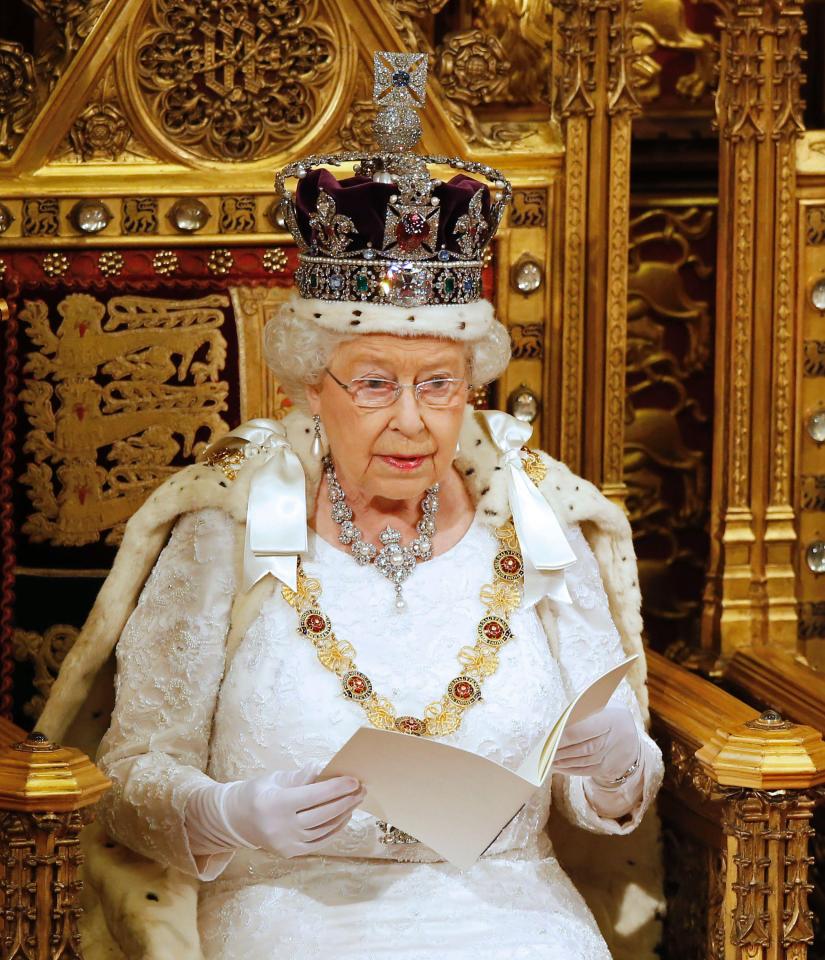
{"x":442,"y":717}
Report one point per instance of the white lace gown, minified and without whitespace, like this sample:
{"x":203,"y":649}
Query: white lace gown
{"x":178,"y":720}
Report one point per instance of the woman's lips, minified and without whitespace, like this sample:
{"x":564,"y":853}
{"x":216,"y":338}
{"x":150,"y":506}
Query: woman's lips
{"x":403,"y":463}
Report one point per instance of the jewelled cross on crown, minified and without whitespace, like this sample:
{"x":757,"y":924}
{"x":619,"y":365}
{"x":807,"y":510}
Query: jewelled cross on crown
{"x":400,"y":79}
{"x":399,"y":84}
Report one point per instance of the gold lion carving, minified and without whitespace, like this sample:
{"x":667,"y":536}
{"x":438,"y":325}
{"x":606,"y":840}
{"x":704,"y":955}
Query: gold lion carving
{"x":661,"y":24}
{"x":113,"y":395}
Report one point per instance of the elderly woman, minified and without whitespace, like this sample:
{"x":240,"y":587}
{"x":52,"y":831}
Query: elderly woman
{"x":335,"y":570}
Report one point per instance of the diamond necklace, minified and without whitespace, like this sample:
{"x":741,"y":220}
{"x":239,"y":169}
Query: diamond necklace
{"x":394,"y":560}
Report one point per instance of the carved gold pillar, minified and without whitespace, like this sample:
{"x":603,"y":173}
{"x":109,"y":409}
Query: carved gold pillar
{"x":46,"y":793}
{"x":596,"y":105}
{"x":769,"y":775}
{"x":737,"y":802}
{"x":750,"y":594}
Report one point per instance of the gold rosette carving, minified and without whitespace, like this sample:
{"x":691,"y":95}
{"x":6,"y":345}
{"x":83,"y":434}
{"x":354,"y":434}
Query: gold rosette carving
{"x":243,"y":81}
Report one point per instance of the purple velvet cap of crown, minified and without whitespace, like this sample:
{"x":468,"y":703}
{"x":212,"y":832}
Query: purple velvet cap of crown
{"x":365,"y":201}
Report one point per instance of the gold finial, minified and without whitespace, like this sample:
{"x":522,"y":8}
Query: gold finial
{"x":766,"y":753}
{"x":37,"y":774}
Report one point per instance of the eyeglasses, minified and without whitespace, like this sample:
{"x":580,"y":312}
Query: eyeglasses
{"x":378,"y":392}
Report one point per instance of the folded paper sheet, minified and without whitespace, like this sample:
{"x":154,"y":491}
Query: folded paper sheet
{"x":455,"y":801}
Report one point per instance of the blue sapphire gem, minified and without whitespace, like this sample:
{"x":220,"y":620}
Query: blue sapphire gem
{"x":443,"y":255}
{"x":336,"y":282}
{"x":469,"y":285}
{"x":400,"y":78}
{"x":369,"y":254}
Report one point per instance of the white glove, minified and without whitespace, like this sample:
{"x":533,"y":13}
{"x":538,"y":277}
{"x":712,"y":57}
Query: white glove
{"x":283,"y":812}
{"x":602,"y":746}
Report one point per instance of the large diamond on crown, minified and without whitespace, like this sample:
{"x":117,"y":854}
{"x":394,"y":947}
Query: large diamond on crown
{"x":407,"y":285}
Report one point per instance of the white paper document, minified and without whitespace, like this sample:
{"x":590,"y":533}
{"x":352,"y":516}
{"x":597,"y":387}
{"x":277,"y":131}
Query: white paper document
{"x":455,"y":801}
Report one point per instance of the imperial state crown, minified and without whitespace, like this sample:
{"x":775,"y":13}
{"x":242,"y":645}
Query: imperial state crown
{"x":392,"y":233}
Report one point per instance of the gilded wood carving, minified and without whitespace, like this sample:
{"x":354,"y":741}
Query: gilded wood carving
{"x":28,"y":80}
{"x":597,"y":119}
{"x":663,"y":25}
{"x":744,"y":851}
{"x":102,"y":130}
{"x":499,"y":52}
{"x":108,"y":377}
{"x":751,"y":592}
{"x":18,"y":94}
{"x":669,"y":402}
{"x":238,"y":80}
{"x":45,"y":847}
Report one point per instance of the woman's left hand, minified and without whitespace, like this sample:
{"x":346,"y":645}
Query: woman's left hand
{"x":603,"y":745}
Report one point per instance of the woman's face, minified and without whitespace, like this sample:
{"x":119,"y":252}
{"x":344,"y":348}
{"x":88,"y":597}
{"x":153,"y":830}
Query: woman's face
{"x":397,"y":451}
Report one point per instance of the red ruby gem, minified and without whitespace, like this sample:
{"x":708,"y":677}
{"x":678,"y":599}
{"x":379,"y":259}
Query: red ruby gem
{"x":493,"y":630}
{"x":510,"y":564}
{"x":357,"y":685}
{"x":463,"y":690}
{"x":315,"y":623}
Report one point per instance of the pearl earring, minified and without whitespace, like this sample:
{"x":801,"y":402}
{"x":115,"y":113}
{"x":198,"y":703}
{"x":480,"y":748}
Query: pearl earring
{"x":317,"y":446}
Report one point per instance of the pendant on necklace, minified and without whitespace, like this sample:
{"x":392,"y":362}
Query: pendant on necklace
{"x":396,"y":562}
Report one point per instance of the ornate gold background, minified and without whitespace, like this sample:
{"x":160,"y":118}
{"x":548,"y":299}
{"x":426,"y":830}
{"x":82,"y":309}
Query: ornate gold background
{"x":672,"y":346}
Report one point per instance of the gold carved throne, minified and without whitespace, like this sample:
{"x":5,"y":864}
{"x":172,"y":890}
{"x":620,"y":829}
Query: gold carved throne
{"x":141,"y":254}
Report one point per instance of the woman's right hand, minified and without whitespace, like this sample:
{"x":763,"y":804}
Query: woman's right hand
{"x":283,"y":812}
{"x":287,"y":812}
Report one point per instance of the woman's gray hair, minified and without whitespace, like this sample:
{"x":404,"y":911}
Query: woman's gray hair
{"x":297,"y":350}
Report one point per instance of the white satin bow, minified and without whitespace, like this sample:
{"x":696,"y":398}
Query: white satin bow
{"x":544,"y":546}
{"x":276,"y":515}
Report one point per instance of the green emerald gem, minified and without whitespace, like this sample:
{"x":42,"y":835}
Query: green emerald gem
{"x":362,"y":283}
{"x":449,"y":284}
{"x":313,"y":280}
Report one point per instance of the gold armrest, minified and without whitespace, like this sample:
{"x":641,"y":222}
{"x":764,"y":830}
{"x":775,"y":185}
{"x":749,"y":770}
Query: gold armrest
{"x":47,"y":795}
{"x":690,"y":706}
{"x":740,"y":791}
